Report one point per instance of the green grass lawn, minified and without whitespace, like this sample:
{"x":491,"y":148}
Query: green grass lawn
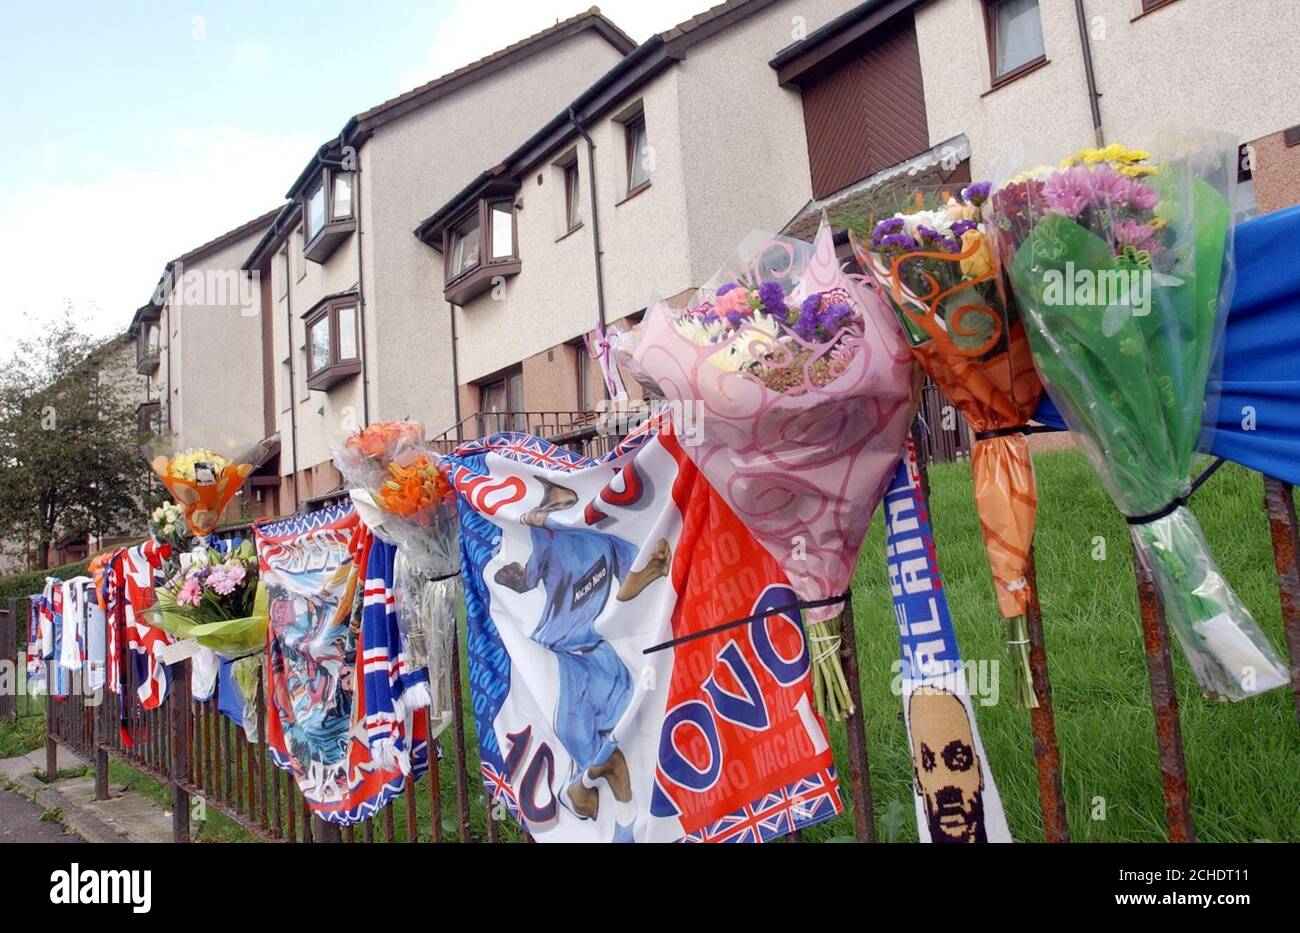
{"x":1243,"y":759}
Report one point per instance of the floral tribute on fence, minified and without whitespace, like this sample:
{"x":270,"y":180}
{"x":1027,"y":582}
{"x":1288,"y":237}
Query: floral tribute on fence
{"x":803,"y":391}
{"x":203,"y":482}
{"x":401,"y":491}
{"x":935,"y":265}
{"x":1117,"y":259}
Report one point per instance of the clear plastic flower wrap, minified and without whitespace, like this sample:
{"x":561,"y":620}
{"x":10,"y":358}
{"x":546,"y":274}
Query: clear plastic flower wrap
{"x":1121,"y":262}
{"x":402,"y":493}
{"x":797,"y":389}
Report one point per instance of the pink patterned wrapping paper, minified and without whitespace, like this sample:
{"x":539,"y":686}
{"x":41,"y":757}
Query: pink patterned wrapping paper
{"x":803,"y":468}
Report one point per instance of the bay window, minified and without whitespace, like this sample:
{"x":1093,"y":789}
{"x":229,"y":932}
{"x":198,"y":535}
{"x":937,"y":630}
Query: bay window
{"x":329,"y":214}
{"x":333,"y":342}
{"x":480,"y":248}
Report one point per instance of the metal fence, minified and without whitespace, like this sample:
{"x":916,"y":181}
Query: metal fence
{"x":206,"y":761}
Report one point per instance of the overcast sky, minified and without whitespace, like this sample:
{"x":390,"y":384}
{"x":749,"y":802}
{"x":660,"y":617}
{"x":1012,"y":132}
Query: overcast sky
{"x":140,"y":130}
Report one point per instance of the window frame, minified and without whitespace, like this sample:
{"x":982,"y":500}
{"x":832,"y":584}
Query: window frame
{"x":1150,"y":6}
{"x":630,"y":126}
{"x":513,"y":417}
{"x":147,"y":411}
{"x":572,"y":196}
{"x":323,"y":378}
{"x":464,"y":284}
{"x":991,"y":43}
{"x":319,"y":245}
{"x":145,"y":360}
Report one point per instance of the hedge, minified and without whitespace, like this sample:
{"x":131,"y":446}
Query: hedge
{"x":25,"y":584}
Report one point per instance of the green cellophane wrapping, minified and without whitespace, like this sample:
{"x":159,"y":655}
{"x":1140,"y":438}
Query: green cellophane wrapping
{"x":1132,"y":388}
{"x":230,"y":638}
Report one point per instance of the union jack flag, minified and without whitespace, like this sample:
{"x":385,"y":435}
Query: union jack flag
{"x":500,"y":789}
{"x":803,"y":803}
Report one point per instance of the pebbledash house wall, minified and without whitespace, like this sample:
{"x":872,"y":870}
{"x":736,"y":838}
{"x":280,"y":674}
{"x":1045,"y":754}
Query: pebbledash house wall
{"x":729,"y":158}
{"x":1211,"y":64}
{"x":417,"y":159}
{"x":213,"y":311}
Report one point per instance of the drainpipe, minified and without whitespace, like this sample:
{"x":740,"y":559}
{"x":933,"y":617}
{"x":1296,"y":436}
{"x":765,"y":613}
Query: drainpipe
{"x":1094,"y":96}
{"x":595,"y":217}
{"x":455,"y":372}
{"x":293,"y":404}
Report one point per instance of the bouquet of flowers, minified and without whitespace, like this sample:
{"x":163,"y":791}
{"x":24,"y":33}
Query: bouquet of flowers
{"x":804,"y":396}
{"x":402,"y":493}
{"x":1117,"y":260}
{"x":936,"y":268}
{"x":215,"y":599}
{"x":203,"y":482}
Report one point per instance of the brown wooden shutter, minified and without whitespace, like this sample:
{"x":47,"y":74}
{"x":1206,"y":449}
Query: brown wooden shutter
{"x":865,"y":110}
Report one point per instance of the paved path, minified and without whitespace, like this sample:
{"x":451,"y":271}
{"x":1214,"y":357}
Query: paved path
{"x":20,"y":821}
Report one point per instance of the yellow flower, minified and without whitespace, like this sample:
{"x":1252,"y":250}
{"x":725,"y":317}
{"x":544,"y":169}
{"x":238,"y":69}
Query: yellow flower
{"x":1136,"y":171}
{"x":1157,"y":223}
{"x":1114,"y":154}
{"x":183,"y":464}
{"x":980,"y":262}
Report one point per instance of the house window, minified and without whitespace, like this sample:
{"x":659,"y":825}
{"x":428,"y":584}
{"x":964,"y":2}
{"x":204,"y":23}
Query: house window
{"x":1015,"y":36}
{"x":572,"y":196}
{"x":503,"y":230}
{"x":501,"y":403}
{"x":148,"y":343}
{"x":341,"y":206}
{"x":638,"y":154}
{"x":333,"y":345}
{"x":329,"y":214}
{"x":480,"y":248}
{"x":315,"y":218}
{"x":465,"y":239}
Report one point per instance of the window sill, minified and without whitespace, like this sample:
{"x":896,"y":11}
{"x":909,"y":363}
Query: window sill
{"x":1017,"y":74}
{"x":325,"y":379}
{"x":1151,"y":9}
{"x":633,"y":193}
{"x":469,"y":285}
{"x":328,"y":239}
{"x":568,"y":233}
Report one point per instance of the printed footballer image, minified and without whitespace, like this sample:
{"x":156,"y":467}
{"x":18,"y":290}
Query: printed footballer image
{"x":578,"y":569}
{"x":945,"y":766}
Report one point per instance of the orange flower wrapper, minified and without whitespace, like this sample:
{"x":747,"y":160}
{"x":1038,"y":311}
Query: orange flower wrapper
{"x":202,"y":503}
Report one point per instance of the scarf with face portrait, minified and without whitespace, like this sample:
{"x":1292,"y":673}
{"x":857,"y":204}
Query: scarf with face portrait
{"x":955,"y":796}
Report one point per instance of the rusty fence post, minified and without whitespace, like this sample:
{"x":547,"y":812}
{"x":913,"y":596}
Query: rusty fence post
{"x":51,"y":728}
{"x":11,"y":649}
{"x":1047,"y":754}
{"x":178,"y":702}
{"x":1164,"y":703}
{"x":99,"y":741}
{"x":864,"y":816}
{"x":1280,"y":504}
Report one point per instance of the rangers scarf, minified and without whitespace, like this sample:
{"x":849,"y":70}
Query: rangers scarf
{"x":573,"y":568}
{"x":316,"y":723}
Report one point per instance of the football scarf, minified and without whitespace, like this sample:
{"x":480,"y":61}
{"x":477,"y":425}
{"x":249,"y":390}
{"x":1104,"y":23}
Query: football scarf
{"x":315,"y":701}
{"x":574,"y":571}
{"x":956,"y":798}
{"x":35,"y":655}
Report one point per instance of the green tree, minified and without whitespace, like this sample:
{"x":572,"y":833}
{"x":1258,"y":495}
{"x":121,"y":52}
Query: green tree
{"x":70,"y":446}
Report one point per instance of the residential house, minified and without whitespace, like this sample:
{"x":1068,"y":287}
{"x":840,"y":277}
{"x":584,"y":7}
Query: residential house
{"x":198,"y":343}
{"x":667,"y":161}
{"x":350,"y":302}
{"x":899,"y":86}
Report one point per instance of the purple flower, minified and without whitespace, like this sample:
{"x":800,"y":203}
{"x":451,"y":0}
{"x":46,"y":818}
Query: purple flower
{"x":898,"y":240}
{"x":833,"y":318}
{"x":885,"y":228}
{"x":723,"y":289}
{"x":1140,"y":196}
{"x":734,"y":318}
{"x":1068,"y":192}
{"x":225,"y":578}
{"x":927,"y":235}
{"x":772,"y":295}
{"x":976,"y":192}
{"x":962,"y":226}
